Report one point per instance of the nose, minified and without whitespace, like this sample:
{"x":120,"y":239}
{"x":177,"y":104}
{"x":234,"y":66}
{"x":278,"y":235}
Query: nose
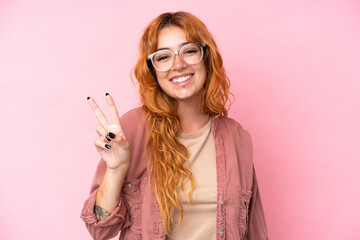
{"x":179,"y":63}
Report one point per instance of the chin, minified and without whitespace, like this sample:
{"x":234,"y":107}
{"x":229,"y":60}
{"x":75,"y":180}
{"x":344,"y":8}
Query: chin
{"x":188,"y":96}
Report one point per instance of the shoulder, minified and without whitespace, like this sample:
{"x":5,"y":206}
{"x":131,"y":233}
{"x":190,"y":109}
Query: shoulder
{"x":232,"y":131}
{"x":135,"y":114}
{"x":237,"y":144}
{"x":134,"y":123}
{"x":230,"y":125}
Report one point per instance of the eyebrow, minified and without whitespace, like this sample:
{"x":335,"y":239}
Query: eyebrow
{"x":180,"y":45}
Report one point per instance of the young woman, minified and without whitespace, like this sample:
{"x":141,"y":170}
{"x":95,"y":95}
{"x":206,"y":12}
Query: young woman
{"x":177,"y":167}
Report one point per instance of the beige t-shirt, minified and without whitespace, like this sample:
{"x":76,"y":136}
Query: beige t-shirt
{"x":199,"y":220}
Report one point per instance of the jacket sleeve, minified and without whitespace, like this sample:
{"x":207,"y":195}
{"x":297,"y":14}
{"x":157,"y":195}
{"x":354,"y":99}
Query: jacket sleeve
{"x":257,"y":229}
{"x":118,"y":219}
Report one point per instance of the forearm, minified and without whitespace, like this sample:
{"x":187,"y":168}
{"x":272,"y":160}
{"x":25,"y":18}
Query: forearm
{"x":108,"y":194}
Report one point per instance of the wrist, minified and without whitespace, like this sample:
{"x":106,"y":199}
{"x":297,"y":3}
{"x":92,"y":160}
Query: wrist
{"x":119,"y":170}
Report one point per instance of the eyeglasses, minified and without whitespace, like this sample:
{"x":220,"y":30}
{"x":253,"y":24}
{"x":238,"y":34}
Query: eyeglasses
{"x":191,"y":53}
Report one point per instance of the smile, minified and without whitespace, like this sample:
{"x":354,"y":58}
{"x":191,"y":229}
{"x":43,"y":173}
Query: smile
{"x":181,"y":79}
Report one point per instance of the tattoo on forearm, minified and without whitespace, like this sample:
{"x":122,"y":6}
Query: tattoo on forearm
{"x":101,"y":214}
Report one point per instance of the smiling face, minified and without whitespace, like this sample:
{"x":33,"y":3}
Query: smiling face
{"x":182,"y":81}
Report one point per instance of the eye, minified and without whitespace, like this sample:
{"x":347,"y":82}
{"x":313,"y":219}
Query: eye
{"x":162,"y":56}
{"x":190,"y":51}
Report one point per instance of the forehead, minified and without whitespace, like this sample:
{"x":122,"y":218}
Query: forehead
{"x":171,"y":37}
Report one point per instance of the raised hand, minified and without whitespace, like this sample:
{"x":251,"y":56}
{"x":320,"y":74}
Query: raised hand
{"x":111,"y":144}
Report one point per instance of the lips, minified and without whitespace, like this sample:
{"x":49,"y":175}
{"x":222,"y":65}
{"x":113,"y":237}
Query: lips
{"x":181,"y":78}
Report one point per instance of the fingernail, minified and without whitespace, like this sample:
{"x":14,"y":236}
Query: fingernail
{"x":107,"y":146}
{"x":88,"y":98}
{"x":111,"y":135}
{"x":106,"y":94}
{"x":107,"y":138}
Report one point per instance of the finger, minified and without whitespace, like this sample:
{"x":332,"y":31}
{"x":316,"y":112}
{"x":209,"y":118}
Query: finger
{"x":115,"y":128}
{"x":113,"y":110}
{"x":102,"y":132}
{"x":114,"y":137}
{"x":119,"y":139}
{"x":108,"y":135}
{"x":100,"y":144}
{"x":99,"y":114}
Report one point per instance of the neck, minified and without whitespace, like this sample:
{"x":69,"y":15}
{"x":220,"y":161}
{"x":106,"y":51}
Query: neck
{"x":192,"y":117}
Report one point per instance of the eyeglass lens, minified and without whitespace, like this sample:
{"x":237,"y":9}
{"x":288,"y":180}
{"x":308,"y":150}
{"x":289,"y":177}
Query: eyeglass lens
{"x":164,"y":59}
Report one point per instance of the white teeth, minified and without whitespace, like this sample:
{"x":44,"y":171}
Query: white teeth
{"x":181,"y":79}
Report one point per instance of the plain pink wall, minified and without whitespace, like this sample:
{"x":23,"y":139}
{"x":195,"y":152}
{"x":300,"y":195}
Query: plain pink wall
{"x":294,"y":68}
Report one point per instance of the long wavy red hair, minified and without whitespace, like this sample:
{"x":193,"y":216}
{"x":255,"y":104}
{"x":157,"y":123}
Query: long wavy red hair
{"x":168,"y":158}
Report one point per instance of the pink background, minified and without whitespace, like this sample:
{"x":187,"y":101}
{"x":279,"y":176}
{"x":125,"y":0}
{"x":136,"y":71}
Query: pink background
{"x":294,"y":68}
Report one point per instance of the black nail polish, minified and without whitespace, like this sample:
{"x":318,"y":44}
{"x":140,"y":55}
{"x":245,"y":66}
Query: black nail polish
{"x":107,"y":138}
{"x":111,"y":135}
{"x":107,"y":146}
{"x":107,"y":94}
{"x":88,"y":98}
